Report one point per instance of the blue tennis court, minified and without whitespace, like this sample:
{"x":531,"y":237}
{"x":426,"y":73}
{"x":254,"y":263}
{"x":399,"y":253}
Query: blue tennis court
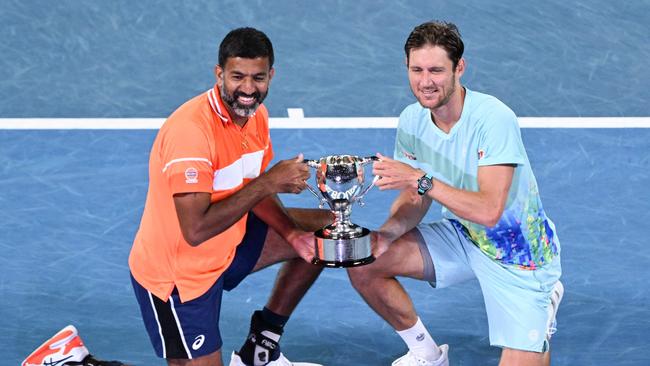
{"x":72,"y":199}
{"x":72,"y":202}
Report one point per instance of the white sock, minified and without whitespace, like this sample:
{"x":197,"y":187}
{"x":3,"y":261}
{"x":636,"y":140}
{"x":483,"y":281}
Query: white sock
{"x":419,"y":342}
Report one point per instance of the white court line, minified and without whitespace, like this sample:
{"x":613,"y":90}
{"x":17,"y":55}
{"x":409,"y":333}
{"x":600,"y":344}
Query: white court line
{"x":298,"y":122}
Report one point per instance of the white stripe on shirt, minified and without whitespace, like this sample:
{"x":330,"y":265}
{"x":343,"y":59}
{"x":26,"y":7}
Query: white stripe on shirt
{"x":248,"y":166}
{"x":185,"y":159}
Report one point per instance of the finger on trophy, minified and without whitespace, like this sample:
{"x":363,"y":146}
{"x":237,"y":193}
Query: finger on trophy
{"x":297,"y":188}
{"x":373,"y":158}
{"x":381,"y":157}
{"x":377,"y":167}
{"x":303,"y":169}
{"x":376,"y":251}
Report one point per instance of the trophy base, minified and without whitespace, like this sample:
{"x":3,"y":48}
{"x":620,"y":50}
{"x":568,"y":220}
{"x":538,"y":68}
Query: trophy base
{"x":349,"y":250}
{"x":344,"y":264}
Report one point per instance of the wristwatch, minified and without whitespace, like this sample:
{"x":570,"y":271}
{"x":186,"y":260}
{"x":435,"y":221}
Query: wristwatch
{"x":425,"y":184}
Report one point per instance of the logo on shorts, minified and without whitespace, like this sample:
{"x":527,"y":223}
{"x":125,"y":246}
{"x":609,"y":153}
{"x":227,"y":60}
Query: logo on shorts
{"x":420,"y":337}
{"x":191,"y":175}
{"x":198,"y":342}
{"x":533,"y":335}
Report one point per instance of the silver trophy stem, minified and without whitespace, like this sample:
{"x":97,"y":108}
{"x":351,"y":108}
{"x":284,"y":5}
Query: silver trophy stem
{"x":342,"y":218}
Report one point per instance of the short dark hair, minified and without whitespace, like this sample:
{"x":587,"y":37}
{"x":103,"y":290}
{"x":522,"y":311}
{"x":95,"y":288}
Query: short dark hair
{"x":247,"y":43}
{"x":437,"y":33}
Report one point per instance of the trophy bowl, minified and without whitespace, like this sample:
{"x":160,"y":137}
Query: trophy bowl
{"x":340,"y":183}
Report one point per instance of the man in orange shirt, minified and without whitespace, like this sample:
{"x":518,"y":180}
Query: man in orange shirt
{"x":212,"y":216}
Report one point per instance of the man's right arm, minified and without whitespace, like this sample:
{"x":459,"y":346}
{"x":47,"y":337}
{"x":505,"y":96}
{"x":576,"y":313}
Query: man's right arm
{"x":201,"y":220}
{"x":406,"y":212}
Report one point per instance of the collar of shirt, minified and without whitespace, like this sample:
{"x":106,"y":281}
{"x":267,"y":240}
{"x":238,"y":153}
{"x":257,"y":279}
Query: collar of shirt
{"x":214,"y":97}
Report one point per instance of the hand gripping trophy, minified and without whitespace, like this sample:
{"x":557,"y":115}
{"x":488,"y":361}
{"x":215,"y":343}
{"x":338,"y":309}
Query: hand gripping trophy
{"x":340,"y":182}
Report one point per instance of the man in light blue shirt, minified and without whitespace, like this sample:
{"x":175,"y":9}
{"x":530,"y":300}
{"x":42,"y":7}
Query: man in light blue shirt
{"x":462,"y":149}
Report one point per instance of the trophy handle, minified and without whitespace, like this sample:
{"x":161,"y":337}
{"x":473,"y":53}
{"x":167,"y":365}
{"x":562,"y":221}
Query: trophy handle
{"x":363,"y":162}
{"x":315,"y":164}
{"x":312,"y":163}
{"x":368,"y":159}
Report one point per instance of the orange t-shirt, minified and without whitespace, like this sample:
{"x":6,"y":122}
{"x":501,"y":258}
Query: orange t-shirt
{"x":198,"y":149}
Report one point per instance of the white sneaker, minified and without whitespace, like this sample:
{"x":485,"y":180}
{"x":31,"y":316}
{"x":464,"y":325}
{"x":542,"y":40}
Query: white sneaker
{"x":556,"y":298}
{"x":235,"y":360}
{"x":410,"y":359}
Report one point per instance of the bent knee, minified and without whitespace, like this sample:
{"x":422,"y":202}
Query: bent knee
{"x":310,"y":219}
{"x":361,"y":277}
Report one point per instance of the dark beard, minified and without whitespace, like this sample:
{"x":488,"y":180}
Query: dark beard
{"x":241,"y":110}
{"x":446,"y":97}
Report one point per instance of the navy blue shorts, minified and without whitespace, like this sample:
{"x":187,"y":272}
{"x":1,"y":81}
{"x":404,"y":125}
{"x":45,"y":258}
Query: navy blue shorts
{"x":191,"y":329}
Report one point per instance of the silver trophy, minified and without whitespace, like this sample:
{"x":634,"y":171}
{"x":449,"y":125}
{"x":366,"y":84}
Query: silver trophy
{"x":340,"y":182}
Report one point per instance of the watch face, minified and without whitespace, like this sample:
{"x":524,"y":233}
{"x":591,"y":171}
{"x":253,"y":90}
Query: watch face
{"x":425,"y":184}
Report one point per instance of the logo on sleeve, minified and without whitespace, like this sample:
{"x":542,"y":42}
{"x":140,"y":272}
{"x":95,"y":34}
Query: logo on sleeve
{"x":191,"y":175}
{"x":409,"y":155}
{"x":481,"y":154}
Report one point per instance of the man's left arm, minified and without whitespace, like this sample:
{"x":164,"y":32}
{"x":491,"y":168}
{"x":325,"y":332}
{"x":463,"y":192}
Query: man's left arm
{"x":484,"y":206}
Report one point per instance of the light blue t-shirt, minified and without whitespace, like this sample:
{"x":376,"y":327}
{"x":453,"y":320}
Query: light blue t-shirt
{"x":487,"y":133}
